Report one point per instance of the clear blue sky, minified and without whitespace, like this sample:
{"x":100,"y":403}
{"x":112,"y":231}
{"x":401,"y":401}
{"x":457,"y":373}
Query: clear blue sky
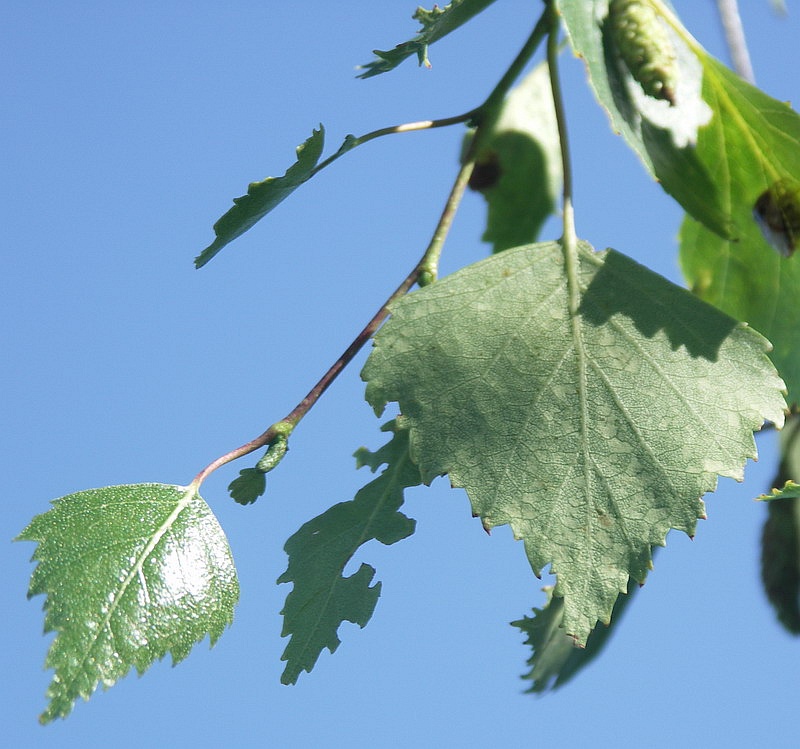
{"x":127,"y":129}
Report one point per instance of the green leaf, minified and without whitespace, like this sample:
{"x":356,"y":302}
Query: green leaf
{"x":322,"y":598}
{"x":750,"y":281}
{"x":755,"y":143}
{"x":590,"y":434}
{"x":661,"y":134}
{"x":721,"y":146}
{"x":263,"y":196}
{"x":780,"y":537}
{"x":556,"y":658}
{"x":789,"y":490}
{"x":248,"y":487}
{"x":251,"y":482}
{"x":435,"y":24}
{"x":518,"y":168}
{"x":752,"y":143}
{"x":131,"y":573}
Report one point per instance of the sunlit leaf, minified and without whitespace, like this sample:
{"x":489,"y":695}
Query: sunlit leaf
{"x":322,"y":597}
{"x":131,"y":573}
{"x":663,"y":134}
{"x":590,"y":434}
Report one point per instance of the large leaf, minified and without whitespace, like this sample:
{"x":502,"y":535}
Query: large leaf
{"x":752,"y":144}
{"x":518,"y":167}
{"x":591,"y":434}
{"x":263,"y":196}
{"x":131,"y":573}
{"x":435,"y":24}
{"x":749,"y":280}
{"x":322,"y":598}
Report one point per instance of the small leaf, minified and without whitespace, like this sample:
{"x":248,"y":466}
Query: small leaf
{"x":790,"y":490}
{"x":518,"y":168}
{"x":436,"y":23}
{"x":252,"y":482}
{"x":556,"y":657}
{"x":263,"y":196}
{"x":322,"y":598}
{"x":590,"y":434}
{"x":131,"y":573}
{"x":248,"y":487}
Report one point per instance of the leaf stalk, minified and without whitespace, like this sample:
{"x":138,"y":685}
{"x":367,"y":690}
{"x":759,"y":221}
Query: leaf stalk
{"x":569,"y":238}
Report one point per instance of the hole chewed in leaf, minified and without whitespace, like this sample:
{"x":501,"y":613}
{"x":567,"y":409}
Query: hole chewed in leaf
{"x":777,"y":213}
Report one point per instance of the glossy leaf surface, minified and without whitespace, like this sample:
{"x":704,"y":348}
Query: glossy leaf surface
{"x":131,"y":573}
{"x":590,"y":434}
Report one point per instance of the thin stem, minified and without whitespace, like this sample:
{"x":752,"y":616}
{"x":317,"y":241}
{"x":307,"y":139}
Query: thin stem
{"x":352,"y":142}
{"x":287,"y":424}
{"x":427,"y":264}
{"x":735,"y":39}
{"x":569,"y":237}
{"x":426,"y":269}
{"x":489,"y":109}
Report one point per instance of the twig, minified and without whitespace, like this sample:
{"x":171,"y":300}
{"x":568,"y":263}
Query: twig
{"x":735,"y":39}
{"x":426,"y":269}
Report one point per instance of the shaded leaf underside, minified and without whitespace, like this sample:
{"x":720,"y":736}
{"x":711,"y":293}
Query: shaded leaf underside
{"x":521,"y":159}
{"x":263,"y":196}
{"x":591,"y":436}
{"x":556,"y":659}
{"x":322,"y":597}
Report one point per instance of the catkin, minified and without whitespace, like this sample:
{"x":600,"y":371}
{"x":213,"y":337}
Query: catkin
{"x":644,"y":46}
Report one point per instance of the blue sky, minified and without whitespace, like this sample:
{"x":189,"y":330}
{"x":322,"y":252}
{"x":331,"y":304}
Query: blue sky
{"x":128,"y":128}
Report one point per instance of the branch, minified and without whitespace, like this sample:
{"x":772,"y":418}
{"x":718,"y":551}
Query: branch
{"x":425,"y":270}
{"x":735,"y":39}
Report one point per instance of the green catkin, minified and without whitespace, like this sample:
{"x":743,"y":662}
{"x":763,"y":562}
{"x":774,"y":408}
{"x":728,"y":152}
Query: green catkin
{"x":644,"y":46}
